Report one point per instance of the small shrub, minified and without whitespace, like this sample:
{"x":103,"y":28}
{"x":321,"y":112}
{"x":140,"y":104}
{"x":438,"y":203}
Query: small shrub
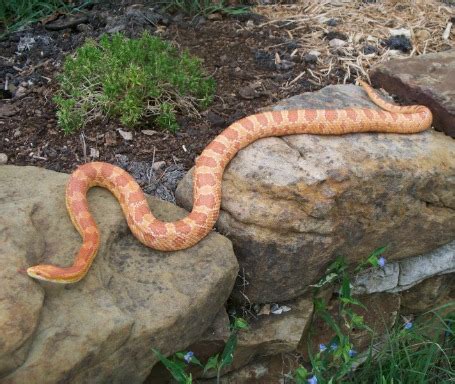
{"x":130,"y":79}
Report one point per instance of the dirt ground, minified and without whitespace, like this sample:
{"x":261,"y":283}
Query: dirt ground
{"x":255,"y":58}
{"x":234,"y":51}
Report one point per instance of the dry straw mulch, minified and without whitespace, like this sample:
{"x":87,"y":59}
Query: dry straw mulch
{"x":366,"y":25}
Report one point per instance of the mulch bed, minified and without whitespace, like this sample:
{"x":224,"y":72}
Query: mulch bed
{"x":234,"y":53}
{"x":256,"y":59}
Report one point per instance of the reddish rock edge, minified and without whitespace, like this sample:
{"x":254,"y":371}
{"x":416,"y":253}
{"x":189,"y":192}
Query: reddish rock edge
{"x":428,"y":79}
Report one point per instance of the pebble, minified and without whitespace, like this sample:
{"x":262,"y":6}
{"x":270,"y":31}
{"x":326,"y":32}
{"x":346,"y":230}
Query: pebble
{"x":314,"y":53}
{"x":215,"y":16}
{"x":422,"y":35}
{"x":3,"y":158}
{"x":400,"y":32}
{"x":148,"y":132}
{"x":20,"y":91}
{"x":125,"y":134}
{"x":336,"y":43}
{"x":369,"y":49}
{"x":84,"y":28}
{"x":248,"y":93}
{"x":401,"y":43}
{"x":157,"y":165}
{"x":310,"y":59}
{"x":215,"y":119}
{"x":336,"y":35}
{"x":199,"y":21}
{"x":284,"y":65}
{"x":264,"y":59}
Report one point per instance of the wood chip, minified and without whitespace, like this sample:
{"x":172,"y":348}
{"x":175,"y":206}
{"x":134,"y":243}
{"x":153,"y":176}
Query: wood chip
{"x":446,"y":33}
{"x":149,"y":132}
{"x":125,"y":134}
{"x":94,"y":153}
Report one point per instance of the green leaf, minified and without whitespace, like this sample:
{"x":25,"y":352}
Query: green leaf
{"x":345,"y":290}
{"x":351,"y":300}
{"x":325,"y":280}
{"x":228,"y":353}
{"x":300,"y":375}
{"x":240,"y":323}
{"x":176,"y":369}
{"x":212,"y":363}
{"x":338,"y":266}
{"x":319,"y":304}
{"x":373,"y":258}
{"x":357,"y":320}
{"x":193,"y":360}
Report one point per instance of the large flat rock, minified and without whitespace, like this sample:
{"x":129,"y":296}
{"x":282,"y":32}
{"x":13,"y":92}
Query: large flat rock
{"x":102,"y":329}
{"x":291,"y":205}
{"x":426,"y":79}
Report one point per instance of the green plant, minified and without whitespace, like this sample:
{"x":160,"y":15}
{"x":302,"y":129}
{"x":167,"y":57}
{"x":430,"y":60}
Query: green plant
{"x":15,"y":14}
{"x":178,"y":363}
{"x":334,"y":360}
{"x":130,"y":79}
{"x":420,"y":352}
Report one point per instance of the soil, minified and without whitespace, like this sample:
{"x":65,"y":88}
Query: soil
{"x":252,"y":63}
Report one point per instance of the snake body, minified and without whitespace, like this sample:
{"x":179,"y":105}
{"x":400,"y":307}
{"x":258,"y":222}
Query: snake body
{"x":184,"y":233}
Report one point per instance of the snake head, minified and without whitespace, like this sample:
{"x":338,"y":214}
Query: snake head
{"x":56,"y":274}
{"x":40,"y":272}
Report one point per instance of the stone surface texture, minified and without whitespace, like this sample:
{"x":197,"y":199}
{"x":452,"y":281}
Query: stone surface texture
{"x":102,"y":329}
{"x":429,"y":294}
{"x":426,"y":79}
{"x":268,"y":335}
{"x":402,"y":275}
{"x":290,"y":205}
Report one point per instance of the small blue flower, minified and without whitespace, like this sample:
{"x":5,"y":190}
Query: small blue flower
{"x":382,"y":261}
{"x":352,"y":353}
{"x":188,"y":356}
{"x":313,"y":380}
{"x":408,"y":325}
{"x":334,"y":346}
{"x":322,"y":347}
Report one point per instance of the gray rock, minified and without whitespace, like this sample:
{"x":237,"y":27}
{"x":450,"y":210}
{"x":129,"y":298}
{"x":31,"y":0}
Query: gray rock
{"x":416,"y":269}
{"x":133,"y":299}
{"x":402,"y":275}
{"x":376,"y":279}
{"x":292,"y":204}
